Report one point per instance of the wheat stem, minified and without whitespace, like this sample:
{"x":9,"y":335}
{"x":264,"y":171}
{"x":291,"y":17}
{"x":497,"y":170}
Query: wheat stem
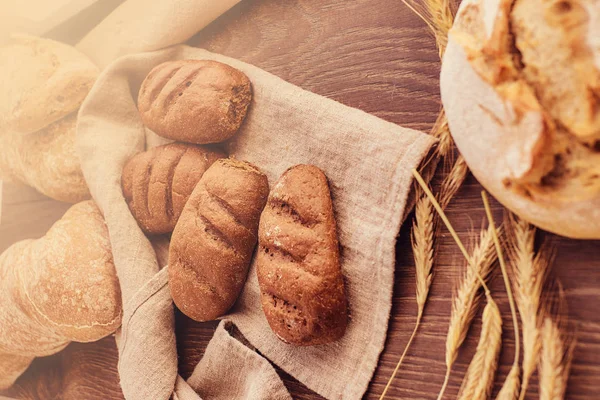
{"x":510,"y":389}
{"x":445,"y":384}
{"x":465,"y":302}
{"x":422,"y":245}
{"x":511,"y":300}
{"x":412,"y":336}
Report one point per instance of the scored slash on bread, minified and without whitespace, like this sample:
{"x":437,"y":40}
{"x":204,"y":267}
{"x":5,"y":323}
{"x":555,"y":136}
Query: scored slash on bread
{"x":194,"y":101}
{"x":298,"y":262}
{"x":212,"y":244}
{"x":157,"y":183}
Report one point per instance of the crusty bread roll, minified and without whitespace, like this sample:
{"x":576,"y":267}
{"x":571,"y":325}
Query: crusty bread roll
{"x":298,"y":263}
{"x":45,"y":160}
{"x":157,"y":183}
{"x":60,"y":288}
{"x":212,"y":244}
{"x":42,"y":81}
{"x":194,"y":101}
{"x":520,"y":84}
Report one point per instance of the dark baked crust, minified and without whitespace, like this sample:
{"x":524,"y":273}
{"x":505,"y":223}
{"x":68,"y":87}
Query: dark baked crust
{"x":195,"y":101}
{"x":301,"y":282}
{"x":212,"y":244}
{"x":157,"y":183}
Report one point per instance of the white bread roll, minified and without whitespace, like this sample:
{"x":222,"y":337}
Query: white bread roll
{"x":60,"y":288}
{"x":45,"y":160}
{"x":42,"y":81}
{"x":520,"y":84}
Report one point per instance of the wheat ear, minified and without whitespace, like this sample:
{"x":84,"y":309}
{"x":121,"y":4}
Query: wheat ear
{"x":439,"y":17}
{"x":478,"y":265}
{"x":479,"y":379}
{"x":512,"y":384}
{"x":530,"y":271}
{"x":453,"y":181}
{"x":555,"y":360}
{"x":467,"y":299}
{"x":422,"y":245}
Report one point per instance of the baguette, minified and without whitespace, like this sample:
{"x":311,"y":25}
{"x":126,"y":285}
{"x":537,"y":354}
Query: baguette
{"x":57,"y":289}
{"x":212,"y":244}
{"x":157,"y":183}
{"x":298,"y":265}
{"x":194,"y":101}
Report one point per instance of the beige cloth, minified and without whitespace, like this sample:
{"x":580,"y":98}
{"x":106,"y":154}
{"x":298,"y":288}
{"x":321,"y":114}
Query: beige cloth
{"x":146,"y":25}
{"x":368,"y":162}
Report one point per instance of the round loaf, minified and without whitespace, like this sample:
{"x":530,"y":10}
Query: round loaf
{"x":298,"y":262}
{"x":45,"y":160}
{"x":194,"y":101}
{"x":520,"y":84}
{"x":157,"y":183}
{"x":212,"y":244}
{"x":42,"y":81}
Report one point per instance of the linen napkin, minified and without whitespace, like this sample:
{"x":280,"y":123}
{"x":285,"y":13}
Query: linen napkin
{"x":368,"y":162}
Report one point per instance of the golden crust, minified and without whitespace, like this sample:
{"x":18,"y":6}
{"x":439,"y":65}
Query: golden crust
{"x":298,"y":266}
{"x":194,"y":101}
{"x":157,"y":183}
{"x":212,"y":244}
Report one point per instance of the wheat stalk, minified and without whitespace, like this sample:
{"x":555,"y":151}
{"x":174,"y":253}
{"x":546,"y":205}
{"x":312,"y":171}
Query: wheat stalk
{"x":530,"y":271}
{"x":512,"y":384}
{"x":467,"y":299}
{"x":479,"y":379}
{"x":422,"y":245}
{"x":555,"y":360}
{"x":479,"y":264}
{"x":439,"y":17}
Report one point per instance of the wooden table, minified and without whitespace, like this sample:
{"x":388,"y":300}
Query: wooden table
{"x":377,"y":56}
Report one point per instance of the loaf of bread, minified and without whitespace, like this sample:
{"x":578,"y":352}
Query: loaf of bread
{"x":298,"y":262}
{"x":157,"y":183}
{"x":212,"y":244}
{"x":45,"y":160}
{"x":520,"y":84}
{"x":42,"y":81}
{"x":60,"y":288}
{"x":194,"y":101}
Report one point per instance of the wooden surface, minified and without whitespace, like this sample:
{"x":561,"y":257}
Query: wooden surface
{"x":377,"y":56}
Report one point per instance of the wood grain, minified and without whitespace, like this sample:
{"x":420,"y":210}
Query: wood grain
{"x":377,"y":56}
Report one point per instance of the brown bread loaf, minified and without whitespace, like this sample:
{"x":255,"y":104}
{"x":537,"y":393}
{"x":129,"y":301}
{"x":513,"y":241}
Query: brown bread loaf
{"x":212,"y":244}
{"x":298,"y":265}
{"x":157,"y":183}
{"x":195,"y":101}
{"x":57,"y":289}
